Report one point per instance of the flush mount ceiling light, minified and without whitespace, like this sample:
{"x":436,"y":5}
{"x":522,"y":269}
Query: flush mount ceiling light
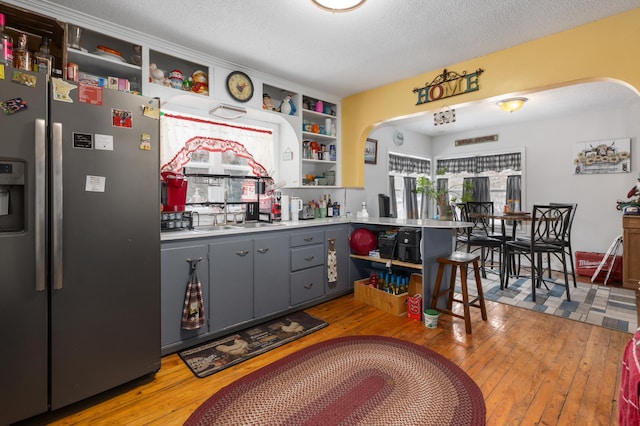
{"x":338,"y":5}
{"x":512,"y":104}
{"x":229,"y":112}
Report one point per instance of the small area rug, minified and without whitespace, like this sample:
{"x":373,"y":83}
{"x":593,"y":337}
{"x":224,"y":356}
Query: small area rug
{"x":606,"y":306}
{"x":210,"y":357}
{"x":371,"y":380}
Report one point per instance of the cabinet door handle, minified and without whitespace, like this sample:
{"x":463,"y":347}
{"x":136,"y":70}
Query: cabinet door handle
{"x":308,"y":239}
{"x":308,"y":286}
{"x":263,"y":250}
{"x":309,"y":258}
{"x":242,"y":252}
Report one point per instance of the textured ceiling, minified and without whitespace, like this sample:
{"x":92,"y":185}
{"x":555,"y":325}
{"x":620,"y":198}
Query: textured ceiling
{"x":381,"y":42}
{"x":345,"y":53}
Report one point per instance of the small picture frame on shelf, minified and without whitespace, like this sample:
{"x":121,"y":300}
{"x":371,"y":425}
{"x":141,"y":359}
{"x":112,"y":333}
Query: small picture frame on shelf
{"x":371,"y":151}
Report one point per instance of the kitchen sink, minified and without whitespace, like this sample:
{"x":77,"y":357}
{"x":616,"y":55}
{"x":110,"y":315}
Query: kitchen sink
{"x":211,"y":228}
{"x":258,"y":225}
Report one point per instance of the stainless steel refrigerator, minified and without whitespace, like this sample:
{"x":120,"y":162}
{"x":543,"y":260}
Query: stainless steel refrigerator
{"x":79,"y":242}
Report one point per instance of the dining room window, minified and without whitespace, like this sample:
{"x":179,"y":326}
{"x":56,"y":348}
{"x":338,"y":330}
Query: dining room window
{"x":403,"y":173}
{"x":495,"y":178}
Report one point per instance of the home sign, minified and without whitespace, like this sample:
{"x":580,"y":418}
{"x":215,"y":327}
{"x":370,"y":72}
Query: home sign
{"x":448,"y":84}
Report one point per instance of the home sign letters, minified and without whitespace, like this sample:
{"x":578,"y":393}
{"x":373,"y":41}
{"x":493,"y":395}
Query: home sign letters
{"x":448,"y":84}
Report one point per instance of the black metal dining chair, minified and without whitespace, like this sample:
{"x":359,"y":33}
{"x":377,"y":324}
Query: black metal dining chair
{"x":567,"y":242}
{"x":461,"y":233}
{"x":548,"y":236}
{"x":477,"y":237}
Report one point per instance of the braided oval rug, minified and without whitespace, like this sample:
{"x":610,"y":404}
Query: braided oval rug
{"x":350,"y":381}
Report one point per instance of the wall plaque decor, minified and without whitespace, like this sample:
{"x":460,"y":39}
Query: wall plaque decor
{"x":371,"y":151}
{"x":448,"y":84}
{"x":606,"y":156}
{"x":479,"y":139}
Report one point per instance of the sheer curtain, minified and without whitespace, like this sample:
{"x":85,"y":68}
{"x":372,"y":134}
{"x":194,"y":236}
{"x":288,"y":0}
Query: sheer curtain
{"x":514,"y":191}
{"x":410,"y":198}
{"x":481,"y":188}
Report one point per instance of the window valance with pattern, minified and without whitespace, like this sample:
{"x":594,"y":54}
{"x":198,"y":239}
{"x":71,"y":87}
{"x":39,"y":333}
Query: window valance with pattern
{"x":409,"y":165}
{"x":484,"y":163}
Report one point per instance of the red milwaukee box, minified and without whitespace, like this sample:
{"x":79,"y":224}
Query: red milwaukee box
{"x":588,"y":262}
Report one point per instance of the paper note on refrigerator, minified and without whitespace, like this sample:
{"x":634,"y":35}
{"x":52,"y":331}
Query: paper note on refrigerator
{"x":95,"y":183}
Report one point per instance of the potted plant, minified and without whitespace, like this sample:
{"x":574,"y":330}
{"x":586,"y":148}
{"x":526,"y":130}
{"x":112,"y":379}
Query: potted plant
{"x":441,"y":196}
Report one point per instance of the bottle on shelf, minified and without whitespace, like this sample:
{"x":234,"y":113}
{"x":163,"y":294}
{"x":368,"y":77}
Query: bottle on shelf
{"x":43,"y":61}
{"x":21,"y":54}
{"x":6,"y":44}
{"x":373,"y":280}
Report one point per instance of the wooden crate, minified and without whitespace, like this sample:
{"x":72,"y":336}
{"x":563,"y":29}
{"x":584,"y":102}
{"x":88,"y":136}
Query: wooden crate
{"x":396,"y":305}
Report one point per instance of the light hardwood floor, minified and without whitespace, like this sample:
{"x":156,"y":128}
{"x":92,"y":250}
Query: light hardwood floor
{"x":533,"y":369}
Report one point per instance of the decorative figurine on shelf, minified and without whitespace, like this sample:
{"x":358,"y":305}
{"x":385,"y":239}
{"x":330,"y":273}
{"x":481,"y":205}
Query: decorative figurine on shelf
{"x":287,"y":106}
{"x":187,"y":84}
{"x":176,"y":79}
{"x":267,"y":102}
{"x":156,"y":75}
{"x":200,"y":82}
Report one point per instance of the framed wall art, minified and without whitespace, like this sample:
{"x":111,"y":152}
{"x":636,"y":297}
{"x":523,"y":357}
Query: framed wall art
{"x":606,"y":156}
{"x":371,"y":151}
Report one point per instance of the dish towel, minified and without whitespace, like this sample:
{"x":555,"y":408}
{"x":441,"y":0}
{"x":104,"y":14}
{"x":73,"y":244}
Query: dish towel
{"x":628,"y":404}
{"x":332,"y":262}
{"x":193,"y":311}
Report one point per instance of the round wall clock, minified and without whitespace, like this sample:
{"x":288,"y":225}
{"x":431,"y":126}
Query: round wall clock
{"x":398,"y":138}
{"x":239,"y":86}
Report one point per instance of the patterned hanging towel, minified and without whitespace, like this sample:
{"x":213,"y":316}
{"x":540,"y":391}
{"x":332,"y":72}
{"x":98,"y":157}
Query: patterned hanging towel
{"x":193,"y":312}
{"x":332,"y":262}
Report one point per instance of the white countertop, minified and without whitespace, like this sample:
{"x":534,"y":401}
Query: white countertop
{"x":232,"y":229}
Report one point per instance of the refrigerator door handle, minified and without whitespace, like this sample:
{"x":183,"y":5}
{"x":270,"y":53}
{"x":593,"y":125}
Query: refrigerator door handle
{"x":56,"y":203}
{"x":40,"y":204}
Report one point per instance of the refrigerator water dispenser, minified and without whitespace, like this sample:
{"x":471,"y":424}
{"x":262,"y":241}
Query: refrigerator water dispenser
{"x":12,"y":196}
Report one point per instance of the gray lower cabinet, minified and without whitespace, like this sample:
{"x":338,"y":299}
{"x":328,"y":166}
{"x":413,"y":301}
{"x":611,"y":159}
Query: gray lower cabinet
{"x":174,"y":279}
{"x":249,"y":276}
{"x":230,"y":281}
{"x":308,"y":275}
{"x":271,"y":274}
{"x":340,"y":233}
{"x":307,"y":284}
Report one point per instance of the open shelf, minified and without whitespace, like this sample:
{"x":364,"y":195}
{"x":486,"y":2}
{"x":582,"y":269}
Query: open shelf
{"x":394,"y":262}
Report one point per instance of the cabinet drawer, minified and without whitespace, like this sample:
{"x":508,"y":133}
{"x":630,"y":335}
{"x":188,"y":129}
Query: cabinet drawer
{"x":307,"y":284}
{"x":306,"y":238}
{"x":631,"y":222}
{"x":307,"y":257}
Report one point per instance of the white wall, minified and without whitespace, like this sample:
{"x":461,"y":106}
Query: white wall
{"x":548,"y":169}
{"x":376,"y":176}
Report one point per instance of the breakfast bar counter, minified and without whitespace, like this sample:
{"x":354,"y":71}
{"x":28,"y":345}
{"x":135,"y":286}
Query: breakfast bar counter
{"x":251,"y":272}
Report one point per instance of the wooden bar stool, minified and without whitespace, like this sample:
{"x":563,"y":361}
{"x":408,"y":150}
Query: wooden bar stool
{"x":462,"y":260}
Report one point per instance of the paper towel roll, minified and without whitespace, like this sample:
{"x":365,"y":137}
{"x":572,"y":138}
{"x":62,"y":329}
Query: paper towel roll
{"x":285,"y":207}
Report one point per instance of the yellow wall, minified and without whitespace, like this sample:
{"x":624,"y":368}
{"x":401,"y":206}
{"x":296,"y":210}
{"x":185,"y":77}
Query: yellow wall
{"x":606,"y":49}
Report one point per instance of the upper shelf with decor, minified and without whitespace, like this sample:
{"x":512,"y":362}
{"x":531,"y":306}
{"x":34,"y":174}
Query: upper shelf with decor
{"x":20,"y":21}
{"x":280,"y":100}
{"x":102,"y":59}
{"x":178,"y":74}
